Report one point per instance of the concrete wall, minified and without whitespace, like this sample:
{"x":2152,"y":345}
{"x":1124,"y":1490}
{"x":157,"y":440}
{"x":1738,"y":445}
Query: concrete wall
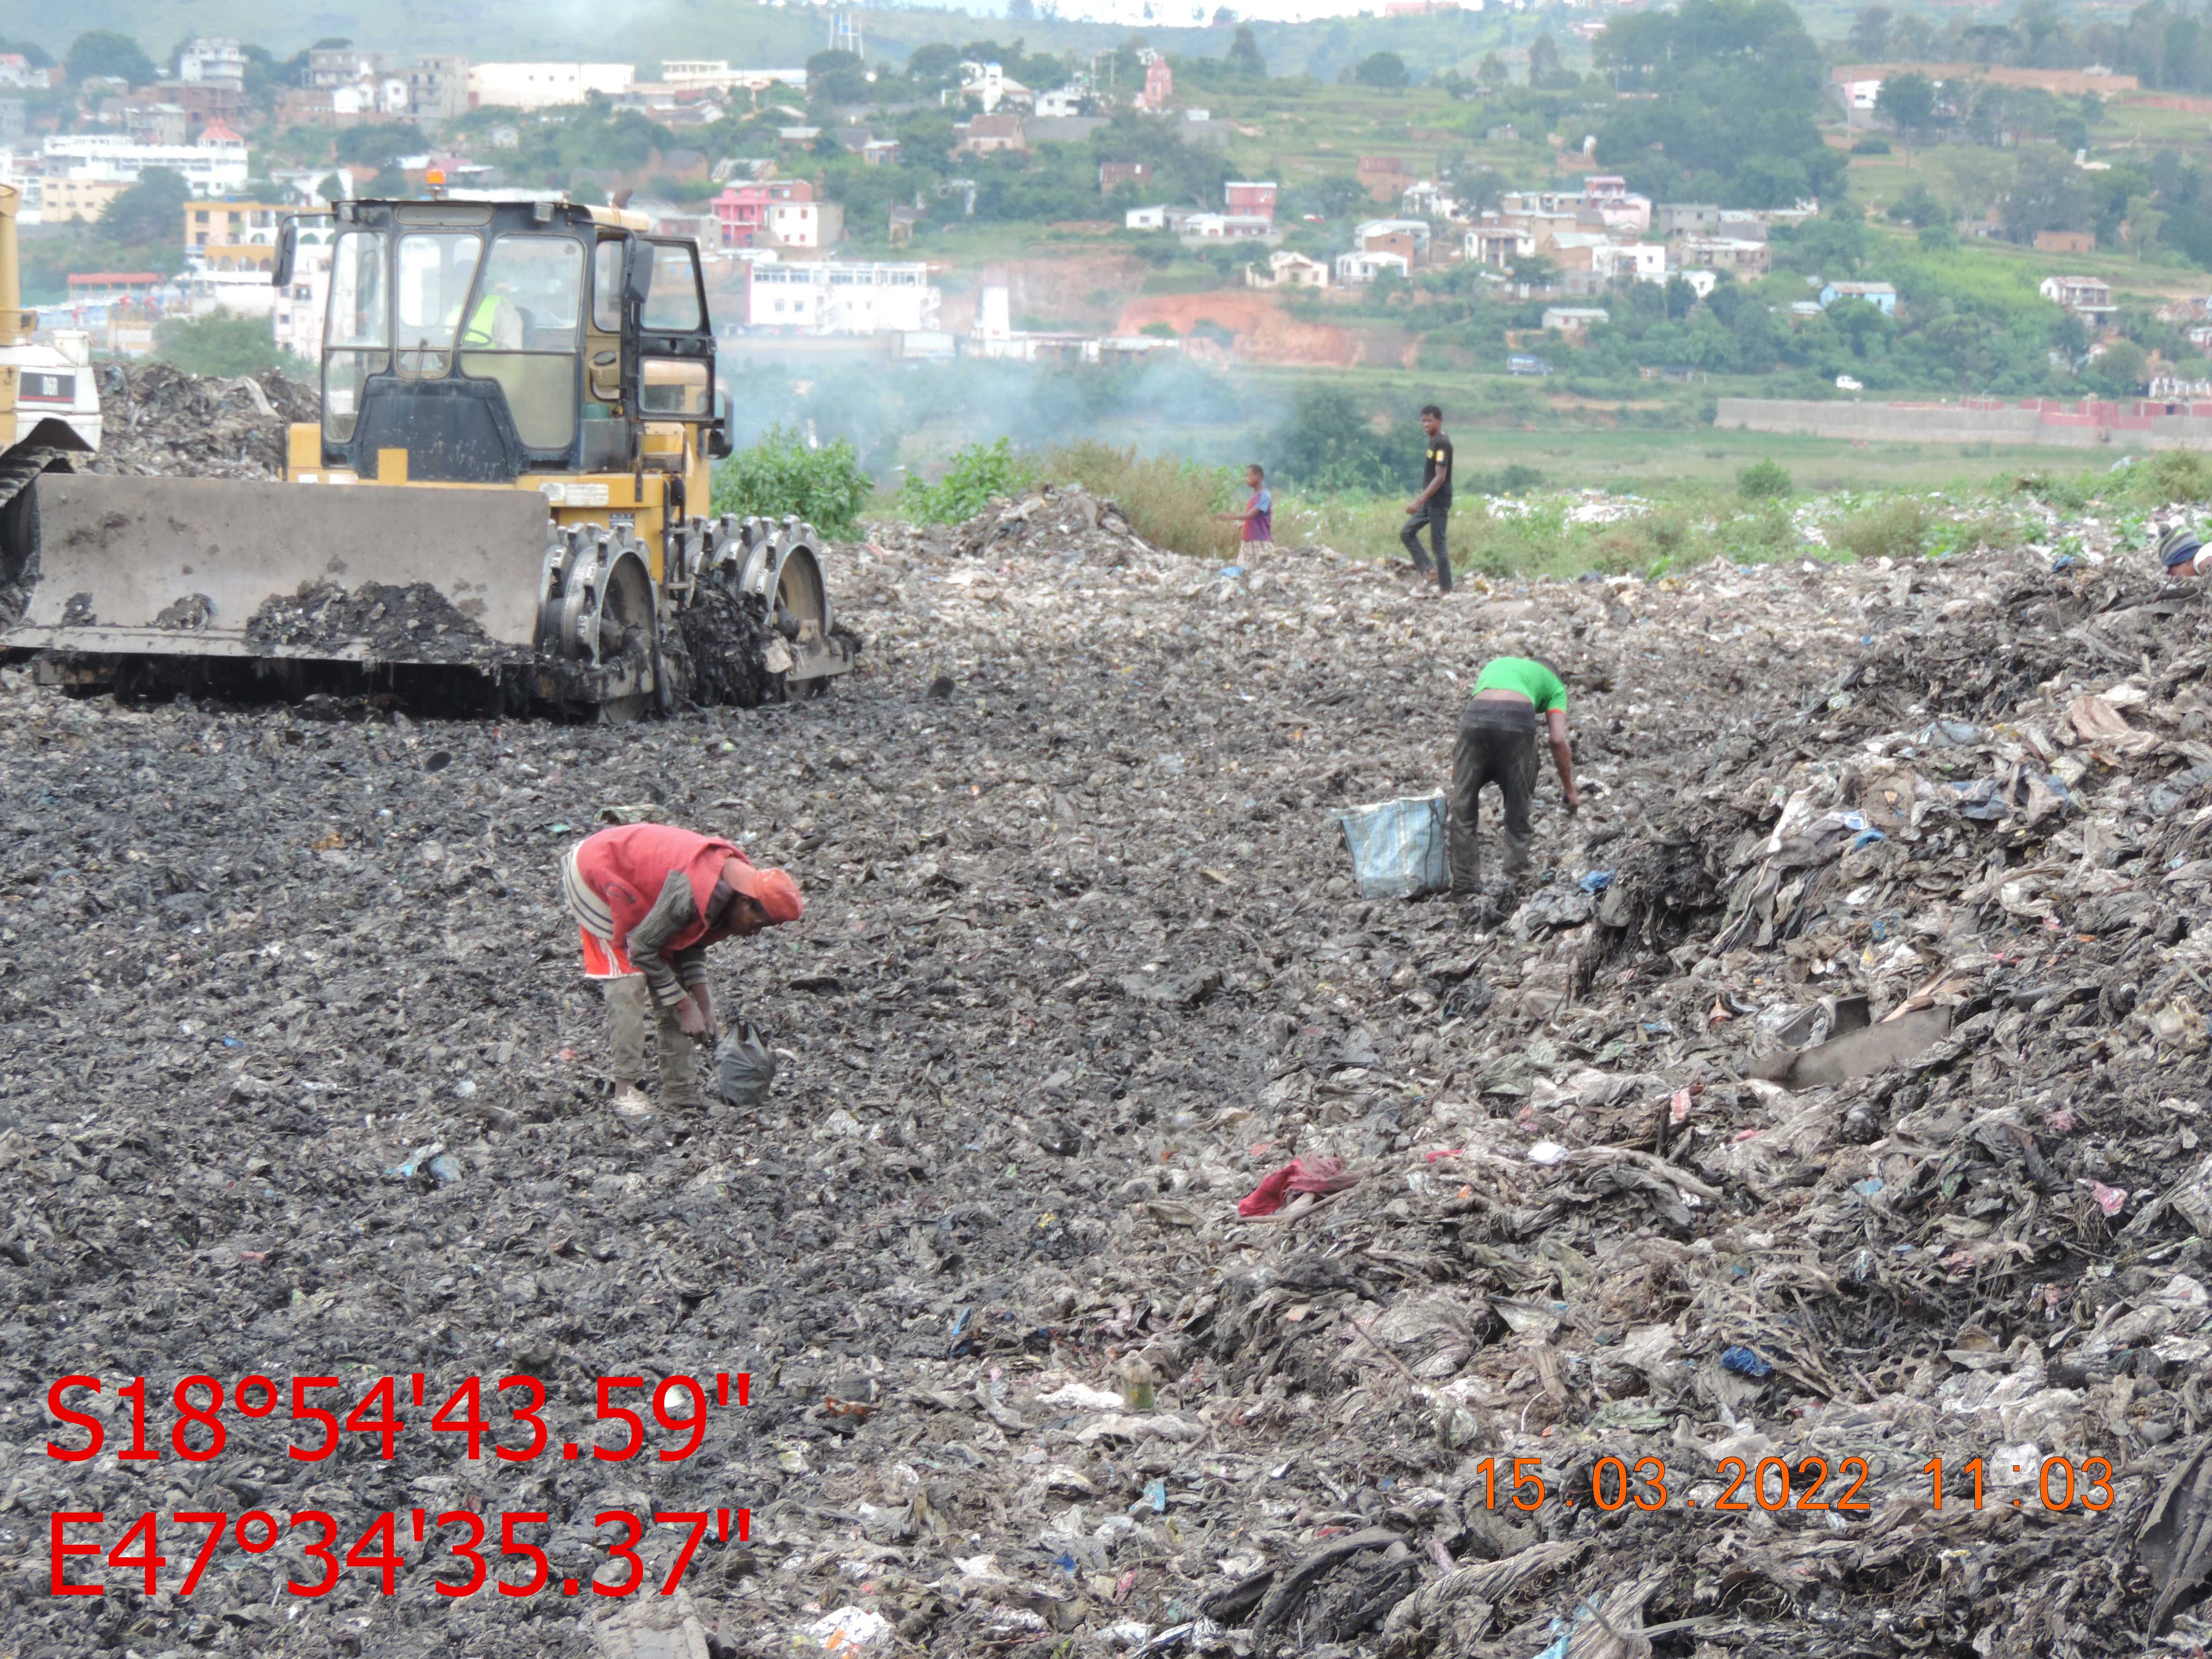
{"x":1910,"y":423}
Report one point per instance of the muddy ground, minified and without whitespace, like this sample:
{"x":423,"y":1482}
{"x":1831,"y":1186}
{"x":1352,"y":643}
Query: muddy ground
{"x":298,"y":1077}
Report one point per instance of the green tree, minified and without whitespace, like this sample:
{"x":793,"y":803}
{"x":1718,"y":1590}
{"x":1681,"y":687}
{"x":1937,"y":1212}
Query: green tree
{"x":1545,"y":70}
{"x":936,"y":64}
{"x":2144,"y":222}
{"x":1243,"y":54}
{"x":30,"y":51}
{"x":103,"y":52}
{"x":151,"y":212}
{"x":1907,"y":102}
{"x":1382,"y":69}
{"x":1869,"y":35}
{"x":2120,"y":368}
{"x":1326,"y":443}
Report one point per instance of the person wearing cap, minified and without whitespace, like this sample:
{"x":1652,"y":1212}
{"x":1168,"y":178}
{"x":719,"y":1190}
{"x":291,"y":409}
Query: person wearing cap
{"x":1498,"y":744}
{"x":648,"y":899}
{"x":2182,"y":554}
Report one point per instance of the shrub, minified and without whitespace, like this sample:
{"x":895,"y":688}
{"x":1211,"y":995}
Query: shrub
{"x":222,"y":344}
{"x":975,"y":474}
{"x":780,"y":474}
{"x":1763,"y":480}
{"x":1896,"y":528}
{"x":1171,"y":502}
{"x":2170,"y":475}
{"x":1871,"y":146}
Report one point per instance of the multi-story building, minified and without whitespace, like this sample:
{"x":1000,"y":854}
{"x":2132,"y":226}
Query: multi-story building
{"x":438,"y":87}
{"x":1497,"y":244}
{"x":215,"y":166}
{"x":231,"y":235}
{"x":1249,"y":198}
{"x":1407,"y":236}
{"x":63,"y":200}
{"x":296,"y":318}
{"x":777,"y":213}
{"x":715,"y":75}
{"x":17,"y":70}
{"x":545,"y":86}
{"x":831,"y":296}
{"x":212,"y":63}
{"x":1737,"y":255}
{"x":1642,"y":262}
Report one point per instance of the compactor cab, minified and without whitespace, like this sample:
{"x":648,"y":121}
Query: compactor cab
{"x":511,"y":473}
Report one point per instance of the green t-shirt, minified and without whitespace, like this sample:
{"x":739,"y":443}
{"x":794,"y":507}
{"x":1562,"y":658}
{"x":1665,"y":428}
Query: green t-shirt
{"x":1527,"y":676}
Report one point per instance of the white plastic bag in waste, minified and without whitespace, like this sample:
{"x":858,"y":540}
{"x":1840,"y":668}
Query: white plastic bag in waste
{"x":1398,"y":847}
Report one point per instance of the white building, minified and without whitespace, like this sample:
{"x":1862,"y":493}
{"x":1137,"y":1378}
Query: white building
{"x":715,"y":75}
{"x":216,"y":165}
{"x":1060,"y":104}
{"x":545,"y":86}
{"x":991,"y":86}
{"x":1354,"y":269}
{"x":1288,"y":270}
{"x":15,"y":70}
{"x":831,"y":296}
{"x":1642,"y":262}
{"x":212,"y":63}
{"x":297,"y":313}
{"x":238,"y":293}
{"x":1146,"y":218}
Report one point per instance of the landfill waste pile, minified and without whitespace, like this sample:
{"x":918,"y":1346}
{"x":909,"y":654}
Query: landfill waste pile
{"x":1065,"y":521}
{"x":415,"y":623}
{"x":158,"y":420}
{"x":1137,"y":1241}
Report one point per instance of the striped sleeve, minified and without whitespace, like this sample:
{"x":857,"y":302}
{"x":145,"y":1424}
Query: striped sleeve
{"x":672,"y":913}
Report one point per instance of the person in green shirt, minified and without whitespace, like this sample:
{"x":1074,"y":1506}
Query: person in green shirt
{"x":1498,"y":744}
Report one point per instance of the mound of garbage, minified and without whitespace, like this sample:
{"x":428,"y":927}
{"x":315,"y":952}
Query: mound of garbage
{"x":1145,"y":1244}
{"x":1064,"y":522}
{"x":159,"y":420}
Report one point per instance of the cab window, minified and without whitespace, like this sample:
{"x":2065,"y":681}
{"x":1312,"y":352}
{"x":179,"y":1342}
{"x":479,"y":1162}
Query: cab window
{"x":673,"y":303}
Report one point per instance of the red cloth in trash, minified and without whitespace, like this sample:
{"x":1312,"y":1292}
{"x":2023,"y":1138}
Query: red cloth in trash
{"x":1300,"y":1174}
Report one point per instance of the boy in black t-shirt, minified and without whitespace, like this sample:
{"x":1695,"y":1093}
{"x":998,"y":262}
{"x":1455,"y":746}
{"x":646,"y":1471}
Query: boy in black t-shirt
{"x":1432,"y":506}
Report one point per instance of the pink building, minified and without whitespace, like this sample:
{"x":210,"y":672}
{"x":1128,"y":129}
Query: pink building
{"x":1159,"y":85}
{"x":744,"y":212}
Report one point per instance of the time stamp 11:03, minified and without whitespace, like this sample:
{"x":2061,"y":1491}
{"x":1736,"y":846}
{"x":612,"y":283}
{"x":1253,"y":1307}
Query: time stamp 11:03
{"x":1809,"y":1484}
{"x":154,"y":1549}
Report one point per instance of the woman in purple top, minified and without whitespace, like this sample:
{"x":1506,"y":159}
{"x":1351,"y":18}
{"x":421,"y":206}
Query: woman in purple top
{"x":1258,"y":516}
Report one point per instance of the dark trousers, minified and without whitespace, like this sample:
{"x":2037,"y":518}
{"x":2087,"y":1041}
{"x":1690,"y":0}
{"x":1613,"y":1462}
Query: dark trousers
{"x":1496,"y":744}
{"x":1433,"y":516}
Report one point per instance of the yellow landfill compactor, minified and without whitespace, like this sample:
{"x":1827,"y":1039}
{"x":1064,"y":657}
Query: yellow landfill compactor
{"x":510,"y":477}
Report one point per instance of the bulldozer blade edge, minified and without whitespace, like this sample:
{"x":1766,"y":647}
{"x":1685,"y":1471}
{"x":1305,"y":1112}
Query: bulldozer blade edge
{"x":202,"y":567}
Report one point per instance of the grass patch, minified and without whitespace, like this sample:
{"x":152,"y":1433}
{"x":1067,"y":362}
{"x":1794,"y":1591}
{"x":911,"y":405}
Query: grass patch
{"x":1171,"y":502}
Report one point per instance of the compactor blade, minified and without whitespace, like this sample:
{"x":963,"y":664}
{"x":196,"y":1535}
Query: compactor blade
{"x":220,"y":568}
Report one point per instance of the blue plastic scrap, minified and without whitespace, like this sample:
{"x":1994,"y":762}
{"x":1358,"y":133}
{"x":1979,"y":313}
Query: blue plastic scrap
{"x":1156,"y":1493}
{"x":1747,"y":1361}
{"x":1867,"y":838}
{"x":1596,"y":881}
{"x":1868,"y":1187}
